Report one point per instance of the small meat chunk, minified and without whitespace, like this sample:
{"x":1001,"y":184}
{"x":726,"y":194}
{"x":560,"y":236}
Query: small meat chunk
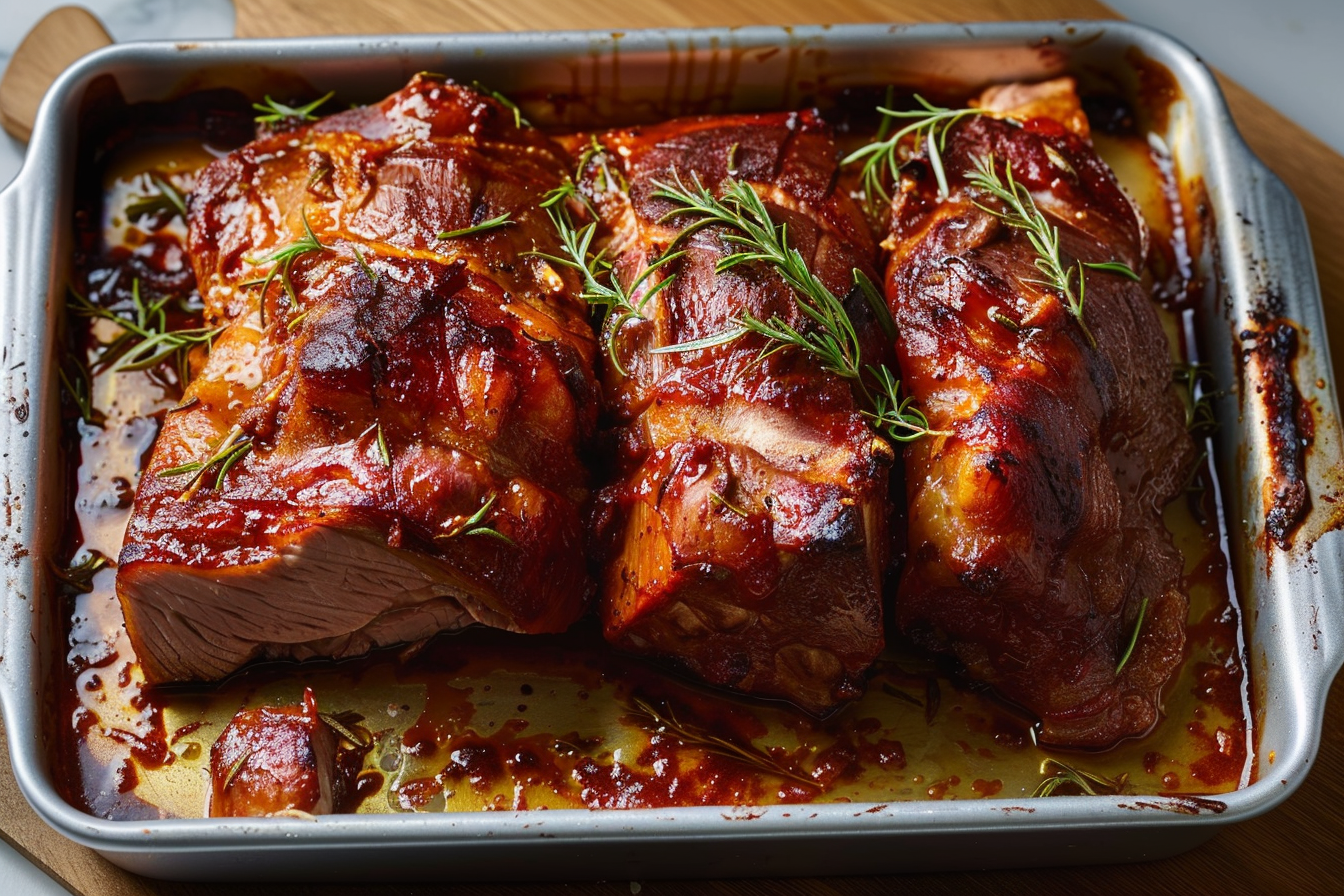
{"x":276,"y":761}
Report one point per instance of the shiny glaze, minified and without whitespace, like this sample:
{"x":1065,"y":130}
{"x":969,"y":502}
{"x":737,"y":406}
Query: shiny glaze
{"x":744,"y":534}
{"x":276,"y":761}
{"x":482,"y":720}
{"x":1035,"y":526}
{"x":407,"y":383}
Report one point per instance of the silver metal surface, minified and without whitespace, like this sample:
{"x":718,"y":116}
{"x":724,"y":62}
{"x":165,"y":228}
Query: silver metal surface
{"x":1295,"y":605}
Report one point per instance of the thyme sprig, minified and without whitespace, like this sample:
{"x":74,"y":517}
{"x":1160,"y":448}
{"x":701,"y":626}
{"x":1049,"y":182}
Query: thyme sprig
{"x":476,"y":525}
{"x":1089,"y":783}
{"x":882,"y":158}
{"x":831,"y":337}
{"x":165,"y":199}
{"x":274,"y":112}
{"x":282,"y":264}
{"x":602,"y":287}
{"x":666,"y":721}
{"x":498,"y":221}
{"x":146,"y":339}
{"x":1020,"y":212}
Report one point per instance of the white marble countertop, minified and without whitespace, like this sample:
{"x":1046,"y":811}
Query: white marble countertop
{"x":1285,"y":51}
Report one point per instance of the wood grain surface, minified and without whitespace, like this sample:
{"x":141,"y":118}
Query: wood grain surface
{"x":1292,"y":849}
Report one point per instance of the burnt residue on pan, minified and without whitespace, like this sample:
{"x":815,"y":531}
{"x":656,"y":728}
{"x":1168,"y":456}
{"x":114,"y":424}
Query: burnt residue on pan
{"x":1269,"y":347}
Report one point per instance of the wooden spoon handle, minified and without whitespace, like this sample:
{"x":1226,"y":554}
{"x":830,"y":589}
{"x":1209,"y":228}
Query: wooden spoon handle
{"x":63,"y":35}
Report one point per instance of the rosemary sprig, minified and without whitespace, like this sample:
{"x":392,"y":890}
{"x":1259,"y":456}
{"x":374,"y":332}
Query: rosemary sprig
{"x":1133,"y":638}
{"x":499,"y":221}
{"x":710,"y":743}
{"x":236,"y":768}
{"x":274,"y":112}
{"x":77,"y":382}
{"x":78,"y":578}
{"x":365,"y":266}
{"x":282,"y":263}
{"x":721,"y":501}
{"x":1194,"y":380}
{"x":518,"y":119}
{"x":602,"y":288}
{"x":882,"y":158}
{"x":347,"y":727}
{"x":1088,"y":782}
{"x":476,"y":525}
{"x":831,"y":338}
{"x":145,"y":341}
{"x":383,"y":451}
{"x":233,"y":448}
{"x":166,"y":199}
{"x":1021,"y":212}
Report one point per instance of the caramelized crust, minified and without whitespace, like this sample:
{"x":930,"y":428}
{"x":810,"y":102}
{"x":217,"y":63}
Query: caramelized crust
{"x":407,"y":384}
{"x":276,"y":761}
{"x":744,"y":531}
{"x":1035,"y":531}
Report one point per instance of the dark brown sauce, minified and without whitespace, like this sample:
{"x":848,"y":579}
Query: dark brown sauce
{"x":487,"y":720}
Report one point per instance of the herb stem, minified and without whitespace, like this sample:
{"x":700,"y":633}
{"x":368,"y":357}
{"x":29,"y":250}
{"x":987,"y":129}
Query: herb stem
{"x":498,"y":221}
{"x":830,"y":337}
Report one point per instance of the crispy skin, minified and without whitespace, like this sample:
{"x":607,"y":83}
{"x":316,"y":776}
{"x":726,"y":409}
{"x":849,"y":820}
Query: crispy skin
{"x":1035,"y":528}
{"x":470,"y":363}
{"x":744,"y":532}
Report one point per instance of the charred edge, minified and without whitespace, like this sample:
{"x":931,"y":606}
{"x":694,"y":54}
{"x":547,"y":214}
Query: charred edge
{"x":1273,"y":343}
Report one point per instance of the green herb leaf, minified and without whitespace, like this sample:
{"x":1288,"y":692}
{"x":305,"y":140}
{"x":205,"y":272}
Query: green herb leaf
{"x":617,"y":302}
{"x":476,"y":525}
{"x":78,"y":578}
{"x":1086,"y":782}
{"x":666,"y":721}
{"x":165,"y":199}
{"x":1133,"y":638}
{"x":1020,"y":212}
{"x":146,"y":341}
{"x":1114,"y":267}
{"x":829,"y":336}
{"x":382,"y":448}
{"x":274,"y":112}
{"x":518,"y":119}
{"x":499,"y":221}
{"x":231,"y":449}
{"x":882,"y":158}
{"x":721,"y":501}
{"x":282,"y":264}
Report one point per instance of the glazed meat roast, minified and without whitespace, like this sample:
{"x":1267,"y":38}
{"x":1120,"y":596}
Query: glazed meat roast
{"x":412,"y":420}
{"x":385,"y":440}
{"x":745,"y":531}
{"x":1036,"y":541}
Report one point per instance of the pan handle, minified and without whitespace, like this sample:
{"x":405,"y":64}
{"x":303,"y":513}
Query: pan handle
{"x":1297,"y":603}
{"x":1275,"y":232}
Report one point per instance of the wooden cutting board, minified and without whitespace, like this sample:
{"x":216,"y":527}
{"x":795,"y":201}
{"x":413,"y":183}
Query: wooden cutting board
{"x":1292,"y":849}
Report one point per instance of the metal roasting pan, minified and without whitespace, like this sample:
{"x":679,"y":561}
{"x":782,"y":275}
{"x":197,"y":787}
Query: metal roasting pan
{"x":1259,"y":251}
